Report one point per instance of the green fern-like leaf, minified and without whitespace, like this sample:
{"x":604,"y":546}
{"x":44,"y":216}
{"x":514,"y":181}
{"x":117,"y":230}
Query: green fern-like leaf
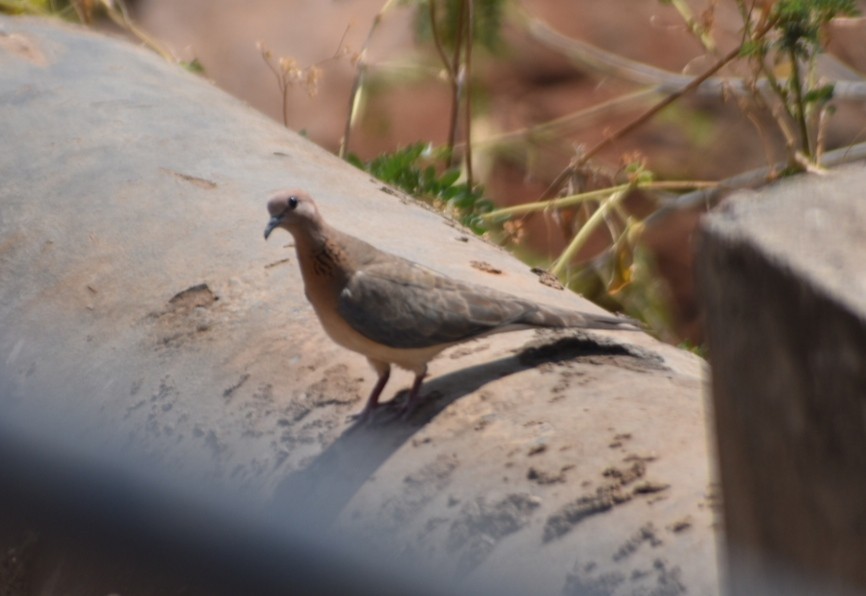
{"x":800,"y":23}
{"x":412,"y":169}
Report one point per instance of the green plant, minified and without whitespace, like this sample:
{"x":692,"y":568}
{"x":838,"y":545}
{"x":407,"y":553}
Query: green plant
{"x":795,"y":39}
{"x":455,"y":27}
{"x":413,"y":170}
{"x":63,"y":8}
{"x":439,"y":21}
{"x":781,"y":40}
{"x":87,"y":11}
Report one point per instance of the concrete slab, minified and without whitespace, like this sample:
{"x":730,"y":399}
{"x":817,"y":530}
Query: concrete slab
{"x":142,"y":313}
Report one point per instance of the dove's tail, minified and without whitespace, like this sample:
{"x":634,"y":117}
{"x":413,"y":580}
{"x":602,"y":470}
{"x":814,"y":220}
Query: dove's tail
{"x":558,"y":318}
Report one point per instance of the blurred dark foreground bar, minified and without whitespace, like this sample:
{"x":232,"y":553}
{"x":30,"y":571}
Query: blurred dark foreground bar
{"x":121,"y":514}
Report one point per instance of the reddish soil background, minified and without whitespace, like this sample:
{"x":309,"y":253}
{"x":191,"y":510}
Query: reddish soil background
{"x":522,"y":85}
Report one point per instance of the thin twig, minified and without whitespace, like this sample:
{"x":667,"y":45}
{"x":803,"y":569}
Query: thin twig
{"x":566,"y":124}
{"x":596,"y":59}
{"x":457,"y":85}
{"x":453,"y":73}
{"x":820,"y":141}
{"x":730,"y":56}
{"x":434,"y":28}
{"x":354,"y":106}
{"x":467,"y":101}
{"x":592,"y":195}
{"x":282,"y":83}
{"x":116,"y":11}
{"x":776,"y":87}
{"x":694,"y":26}
{"x":709,"y":197}
{"x":588,"y":228}
{"x":646,"y":116}
{"x":758,"y":177}
{"x":360,"y":73}
{"x":799,"y":104}
{"x":284,"y":90}
{"x":779,"y":110}
{"x":610,"y":64}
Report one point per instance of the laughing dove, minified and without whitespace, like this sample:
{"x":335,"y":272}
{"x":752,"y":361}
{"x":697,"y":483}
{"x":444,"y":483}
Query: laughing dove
{"x":394,"y":311}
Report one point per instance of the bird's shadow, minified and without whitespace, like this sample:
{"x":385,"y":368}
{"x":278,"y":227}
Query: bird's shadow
{"x":315,"y":495}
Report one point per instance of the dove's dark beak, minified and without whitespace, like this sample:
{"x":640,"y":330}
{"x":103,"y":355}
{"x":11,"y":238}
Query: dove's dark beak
{"x":272,"y":223}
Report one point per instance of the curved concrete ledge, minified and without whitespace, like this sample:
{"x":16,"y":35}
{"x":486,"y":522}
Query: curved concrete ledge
{"x":143,"y":314}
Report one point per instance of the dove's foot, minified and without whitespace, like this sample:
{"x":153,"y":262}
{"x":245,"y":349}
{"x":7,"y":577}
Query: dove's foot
{"x":373,"y":404}
{"x":364,"y":416}
{"x":415,"y":398}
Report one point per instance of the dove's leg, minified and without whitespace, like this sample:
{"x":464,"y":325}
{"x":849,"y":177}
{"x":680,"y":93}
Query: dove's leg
{"x":415,"y":392}
{"x":383,"y":369}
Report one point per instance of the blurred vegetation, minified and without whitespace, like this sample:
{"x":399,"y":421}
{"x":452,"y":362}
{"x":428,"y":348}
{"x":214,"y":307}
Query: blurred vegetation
{"x":797,"y":27}
{"x":413,"y":170}
{"x":87,"y":12}
{"x":38,"y":7}
{"x":783,"y":36}
{"x":441,"y":23}
{"x":780,"y":42}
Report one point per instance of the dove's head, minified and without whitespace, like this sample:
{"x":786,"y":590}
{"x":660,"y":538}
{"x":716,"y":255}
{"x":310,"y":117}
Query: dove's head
{"x":291,"y":210}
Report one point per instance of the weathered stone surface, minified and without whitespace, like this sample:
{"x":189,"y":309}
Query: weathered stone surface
{"x":783,"y":281}
{"x":142,"y":312}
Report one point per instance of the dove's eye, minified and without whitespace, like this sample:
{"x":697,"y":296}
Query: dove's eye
{"x":293,"y":202}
